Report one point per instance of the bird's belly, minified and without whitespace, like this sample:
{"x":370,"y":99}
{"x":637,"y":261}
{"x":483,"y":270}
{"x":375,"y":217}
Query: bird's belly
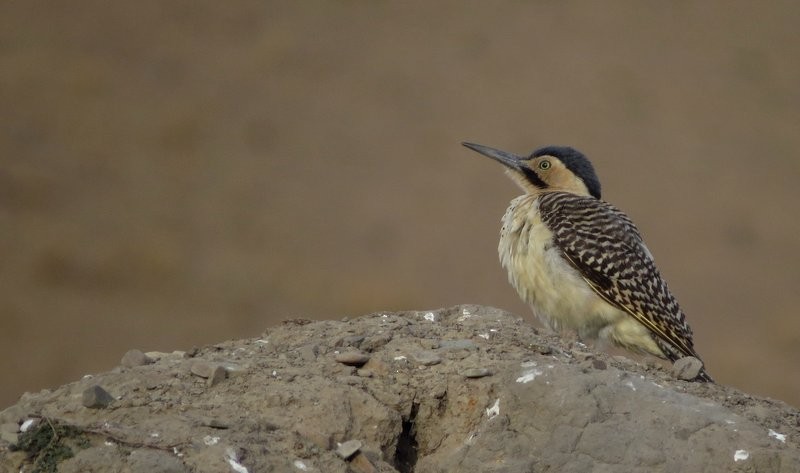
{"x":554,"y":289}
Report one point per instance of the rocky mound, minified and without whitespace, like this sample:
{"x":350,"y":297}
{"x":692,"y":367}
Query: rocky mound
{"x":467,"y":388}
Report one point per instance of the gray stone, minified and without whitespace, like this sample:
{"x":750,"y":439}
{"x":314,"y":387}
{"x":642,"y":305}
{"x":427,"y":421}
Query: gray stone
{"x":352,"y":358}
{"x":376,"y":341}
{"x":427,"y":358}
{"x":217,"y":376}
{"x":204,"y":369}
{"x":95,"y":397}
{"x":476,"y":372}
{"x":687,"y":368}
{"x":135,"y":358}
{"x":348,"y":449}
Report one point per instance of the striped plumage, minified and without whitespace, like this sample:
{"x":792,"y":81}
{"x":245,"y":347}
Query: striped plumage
{"x":581,"y":263}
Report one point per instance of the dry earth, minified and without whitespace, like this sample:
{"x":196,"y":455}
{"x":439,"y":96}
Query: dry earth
{"x":467,"y":388}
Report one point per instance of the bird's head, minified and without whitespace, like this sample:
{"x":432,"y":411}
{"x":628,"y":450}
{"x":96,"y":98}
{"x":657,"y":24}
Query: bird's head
{"x":550,"y":168}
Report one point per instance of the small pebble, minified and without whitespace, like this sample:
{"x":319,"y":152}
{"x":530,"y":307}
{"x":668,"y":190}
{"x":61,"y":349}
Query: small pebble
{"x":376,"y":341}
{"x":217,"y":376}
{"x":352,"y":358}
{"x":203,"y":368}
{"x":476,"y":373}
{"x":348,"y":449}
{"x":96,"y":397}
{"x":438,"y":391}
{"x":599,"y":364}
{"x":687,"y":368}
{"x":135,"y":358}
{"x":427,"y":358}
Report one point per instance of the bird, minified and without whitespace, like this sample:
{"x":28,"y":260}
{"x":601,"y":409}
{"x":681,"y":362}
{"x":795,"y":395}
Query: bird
{"x":580,"y":262}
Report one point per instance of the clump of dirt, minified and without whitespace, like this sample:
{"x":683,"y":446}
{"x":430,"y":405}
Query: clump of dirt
{"x":467,"y":388}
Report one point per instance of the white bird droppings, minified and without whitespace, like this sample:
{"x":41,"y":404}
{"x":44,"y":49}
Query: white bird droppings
{"x":493,"y":411}
{"x":529,"y":375}
{"x":630,"y":385}
{"x":233,"y":461}
{"x":484,"y":336}
{"x":209,"y":440}
{"x":237,"y":467}
{"x":740,"y":455}
{"x":429,"y":316}
{"x":27,"y":425}
{"x":776,"y":435}
{"x":300,"y":465}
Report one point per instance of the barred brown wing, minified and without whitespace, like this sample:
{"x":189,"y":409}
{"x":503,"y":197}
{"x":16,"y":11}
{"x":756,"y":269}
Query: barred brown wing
{"x":604,"y":245}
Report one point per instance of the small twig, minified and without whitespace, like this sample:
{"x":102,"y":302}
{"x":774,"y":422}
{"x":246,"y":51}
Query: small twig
{"x":131,"y":443}
{"x":53,"y":428}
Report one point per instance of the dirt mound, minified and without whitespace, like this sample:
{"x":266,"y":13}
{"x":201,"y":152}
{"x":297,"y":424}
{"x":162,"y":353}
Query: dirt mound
{"x":467,"y":388}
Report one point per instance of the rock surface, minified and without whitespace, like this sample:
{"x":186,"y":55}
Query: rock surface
{"x":466,"y":388}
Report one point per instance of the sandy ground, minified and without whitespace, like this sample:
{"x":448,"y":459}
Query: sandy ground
{"x":179,"y":173}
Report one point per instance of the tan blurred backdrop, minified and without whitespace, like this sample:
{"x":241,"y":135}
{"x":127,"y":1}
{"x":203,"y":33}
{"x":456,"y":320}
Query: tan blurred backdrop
{"x":181,"y":173}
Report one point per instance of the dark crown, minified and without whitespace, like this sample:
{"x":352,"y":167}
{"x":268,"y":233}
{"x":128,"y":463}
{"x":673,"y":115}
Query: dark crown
{"x":576,"y":162}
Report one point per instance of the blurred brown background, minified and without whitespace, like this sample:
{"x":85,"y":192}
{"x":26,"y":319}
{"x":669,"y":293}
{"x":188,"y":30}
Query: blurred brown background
{"x":181,"y":173}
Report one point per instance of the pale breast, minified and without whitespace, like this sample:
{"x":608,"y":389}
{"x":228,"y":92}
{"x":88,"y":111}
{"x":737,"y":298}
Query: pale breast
{"x":553,"y":288}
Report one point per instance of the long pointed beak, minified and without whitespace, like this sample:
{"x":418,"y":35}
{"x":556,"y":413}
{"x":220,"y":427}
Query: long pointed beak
{"x":508,"y":159}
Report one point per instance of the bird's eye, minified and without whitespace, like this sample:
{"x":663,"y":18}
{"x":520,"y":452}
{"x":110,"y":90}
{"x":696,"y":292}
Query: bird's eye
{"x":544,"y":165}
